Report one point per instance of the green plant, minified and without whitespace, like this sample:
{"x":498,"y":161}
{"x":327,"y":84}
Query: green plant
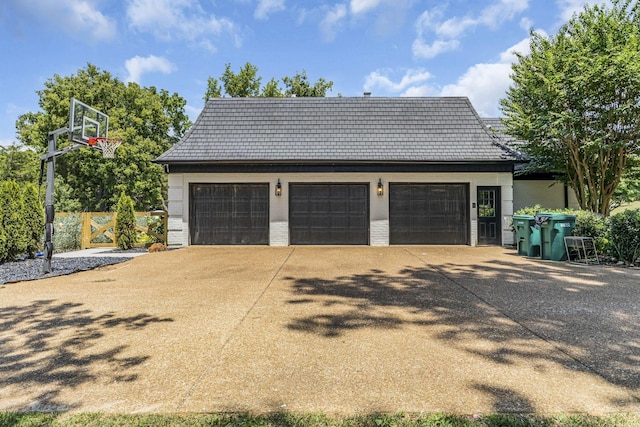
{"x":304,"y":419}
{"x":533,"y":210}
{"x":68,"y":232}
{"x":3,"y":243}
{"x":155,"y":225}
{"x":590,"y":224}
{"x":625,"y":235}
{"x":125,"y":229}
{"x":33,"y":218}
{"x":529,"y":210}
{"x":12,"y":219}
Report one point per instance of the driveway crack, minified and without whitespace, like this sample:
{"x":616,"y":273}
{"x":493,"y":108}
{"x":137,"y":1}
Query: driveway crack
{"x":188,"y":394}
{"x":544,"y":338}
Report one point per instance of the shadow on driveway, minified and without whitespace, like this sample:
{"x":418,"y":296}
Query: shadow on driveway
{"x":589,"y":314}
{"x":337,"y":330}
{"x":50,"y":346}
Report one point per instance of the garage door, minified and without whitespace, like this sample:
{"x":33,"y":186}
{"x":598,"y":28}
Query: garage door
{"x":329,"y":214}
{"x":431,"y":214}
{"x":229,"y":214}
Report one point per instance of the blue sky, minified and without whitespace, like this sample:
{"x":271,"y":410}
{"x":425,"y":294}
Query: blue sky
{"x":387,"y":47}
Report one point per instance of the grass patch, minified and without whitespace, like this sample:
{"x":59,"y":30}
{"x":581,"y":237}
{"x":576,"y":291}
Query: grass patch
{"x":622,"y":208}
{"x":285,"y":419}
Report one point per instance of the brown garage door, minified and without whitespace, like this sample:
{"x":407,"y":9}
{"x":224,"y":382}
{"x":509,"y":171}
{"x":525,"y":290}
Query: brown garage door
{"x":329,"y":214}
{"x":430,"y":214}
{"x":229,"y":214}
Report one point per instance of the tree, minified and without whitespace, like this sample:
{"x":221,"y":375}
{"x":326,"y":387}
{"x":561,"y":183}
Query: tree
{"x":33,"y":218}
{"x":213,"y":89}
{"x":299,"y":86}
{"x":125,"y":229}
{"x":12,"y":218}
{"x":246,"y":83}
{"x":272,"y":90}
{"x":19,"y":164}
{"x":3,"y":244}
{"x":148,"y":121}
{"x":575,"y":101}
{"x":63,"y":196}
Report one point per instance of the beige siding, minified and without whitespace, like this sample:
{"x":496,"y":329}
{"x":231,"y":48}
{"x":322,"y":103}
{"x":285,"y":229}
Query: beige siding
{"x":548,"y":194}
{"x":177,"y":227}
{"x":379,"y":205}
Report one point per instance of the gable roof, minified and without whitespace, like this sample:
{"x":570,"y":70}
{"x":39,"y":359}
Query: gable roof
{"x":308,"y":130}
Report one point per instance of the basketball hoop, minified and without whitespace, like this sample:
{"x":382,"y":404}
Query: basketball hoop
{"x":108,"y":146}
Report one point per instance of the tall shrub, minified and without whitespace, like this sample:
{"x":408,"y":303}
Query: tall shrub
{"x":3,"y":242}
{"x":590,"y":224}
{"x":12,"y":218}
{"x":625,"y":235}
{"x":33,"y":218}
{"x":125,"y":223}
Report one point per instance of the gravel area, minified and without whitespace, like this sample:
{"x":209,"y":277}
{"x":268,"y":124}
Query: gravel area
{"x":29,"y":269}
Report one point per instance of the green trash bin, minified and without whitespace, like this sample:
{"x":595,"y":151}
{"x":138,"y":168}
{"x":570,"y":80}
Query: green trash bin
{"x":527,"y":235}
{"x":553,"y":229}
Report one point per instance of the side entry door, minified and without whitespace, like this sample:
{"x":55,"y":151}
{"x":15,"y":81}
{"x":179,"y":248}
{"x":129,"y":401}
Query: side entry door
{"x":489,"y":214}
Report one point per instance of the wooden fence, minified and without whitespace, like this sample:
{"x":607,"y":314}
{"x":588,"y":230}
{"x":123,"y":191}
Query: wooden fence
{"x":98,"y":228}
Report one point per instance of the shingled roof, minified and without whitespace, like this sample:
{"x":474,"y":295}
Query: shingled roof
{"x":367,"y":129}
{"x":498,"y":129}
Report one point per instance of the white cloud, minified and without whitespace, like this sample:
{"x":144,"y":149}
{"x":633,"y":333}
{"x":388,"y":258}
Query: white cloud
{"x":447,"y":33}
{"x":303,"y":15}
{"x":181,"y":19}
{"x":390,"y":16}
{"x":412,"y":83}
{"x":421,"y":49}
{"x":483,"y":84}
{"x":77,"y":17}
{"x":453,"y":27}
{"x":84,"y":16}
{"x":504,"y":10}
{"x":332,"y":21}
{"x":522,"y":47}
{"x":486,"y":84}
{"x":137,"y":66}
{"x":267,"y":7}
{"x":361,"y":6}
{"x":429,"y":19}
{"x":419,"y":91}
{"x":569,"y":7}
{"x":526,"y":24}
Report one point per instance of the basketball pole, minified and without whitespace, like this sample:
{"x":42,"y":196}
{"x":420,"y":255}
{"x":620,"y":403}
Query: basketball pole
{"x":49,"y":209}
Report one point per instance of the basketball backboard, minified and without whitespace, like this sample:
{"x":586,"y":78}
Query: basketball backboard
{"x":86,"y":122}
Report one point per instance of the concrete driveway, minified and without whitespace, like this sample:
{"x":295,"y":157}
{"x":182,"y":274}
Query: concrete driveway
{"x":333,"y":329}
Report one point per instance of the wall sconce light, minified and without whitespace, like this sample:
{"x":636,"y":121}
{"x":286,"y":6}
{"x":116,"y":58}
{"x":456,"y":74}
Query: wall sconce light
{"x":278,"y":189}
{"x":380,"y":187}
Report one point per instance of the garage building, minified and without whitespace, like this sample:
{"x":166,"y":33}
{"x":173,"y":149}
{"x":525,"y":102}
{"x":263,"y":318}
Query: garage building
{"x":339,"y":171}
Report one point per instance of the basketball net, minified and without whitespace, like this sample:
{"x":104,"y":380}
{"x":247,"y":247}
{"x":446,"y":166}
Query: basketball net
{"x":108,"y":146}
